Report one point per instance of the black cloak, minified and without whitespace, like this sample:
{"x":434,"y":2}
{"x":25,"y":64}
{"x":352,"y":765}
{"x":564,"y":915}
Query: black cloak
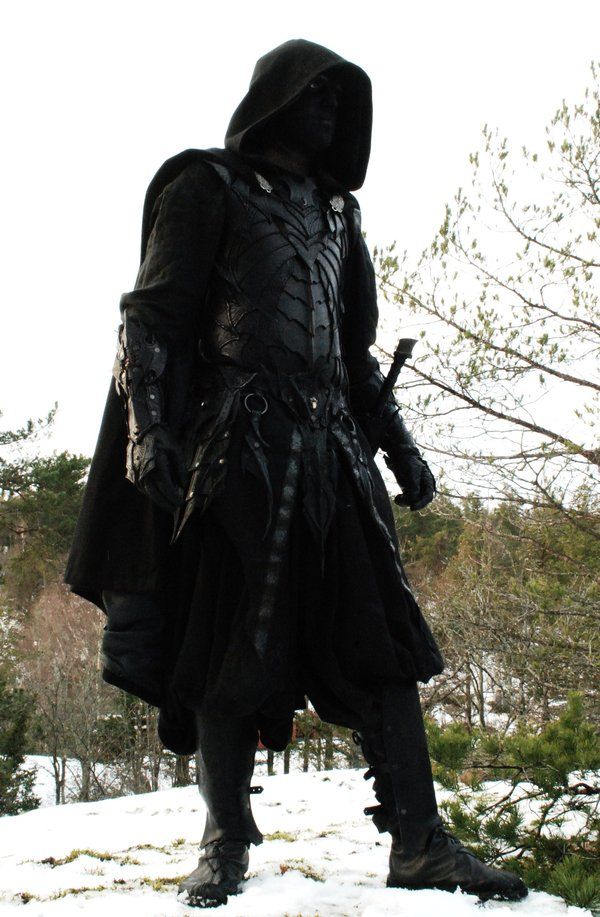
{"x":121,"y":537}
{"x":122,"y":543}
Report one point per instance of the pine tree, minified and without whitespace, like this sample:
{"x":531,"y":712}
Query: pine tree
{"x":542,"y":820}
{"x":16,"y":781}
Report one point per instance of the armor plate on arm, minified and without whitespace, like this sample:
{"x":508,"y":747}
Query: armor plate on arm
{"x":138,"y":370}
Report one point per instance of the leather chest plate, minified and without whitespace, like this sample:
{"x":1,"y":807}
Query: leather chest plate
{"x":274,"y":299}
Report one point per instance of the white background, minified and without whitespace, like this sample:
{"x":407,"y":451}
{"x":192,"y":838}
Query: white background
{"x":97,"y":95}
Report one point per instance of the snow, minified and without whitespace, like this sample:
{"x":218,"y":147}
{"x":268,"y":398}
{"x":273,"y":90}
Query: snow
{"x":321,"y":858}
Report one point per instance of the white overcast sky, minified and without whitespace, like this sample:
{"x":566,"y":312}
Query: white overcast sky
{"x":97,"y":94}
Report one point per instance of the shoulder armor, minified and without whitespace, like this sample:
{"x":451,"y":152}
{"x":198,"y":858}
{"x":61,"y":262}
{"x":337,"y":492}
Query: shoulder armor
{"x":221,"y":170}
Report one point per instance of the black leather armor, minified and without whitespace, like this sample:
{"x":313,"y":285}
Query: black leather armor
{"x":138,"y":370}
{"x":272,"y":365}
{"x":274,"y":300}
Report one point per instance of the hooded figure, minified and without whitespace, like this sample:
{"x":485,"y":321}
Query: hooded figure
{"x":235,"y":528}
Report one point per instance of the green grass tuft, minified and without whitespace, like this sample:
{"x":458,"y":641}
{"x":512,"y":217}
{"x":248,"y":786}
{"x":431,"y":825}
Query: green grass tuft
{"x":281,"y":836}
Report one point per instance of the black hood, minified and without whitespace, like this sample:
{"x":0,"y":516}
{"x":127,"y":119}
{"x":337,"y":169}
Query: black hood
{"x":280,"y":76}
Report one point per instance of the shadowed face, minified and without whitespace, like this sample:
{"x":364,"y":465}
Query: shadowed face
{"x":308,"y":124}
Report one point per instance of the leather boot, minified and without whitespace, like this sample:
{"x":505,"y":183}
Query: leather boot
{"x":227,"y":746}
{"x":423,"y":853}
{"x":444,"y":863}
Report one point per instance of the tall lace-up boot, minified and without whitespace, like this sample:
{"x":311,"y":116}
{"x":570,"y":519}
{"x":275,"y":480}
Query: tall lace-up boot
{"x":227,"y":747}
{"x":423,"y":853}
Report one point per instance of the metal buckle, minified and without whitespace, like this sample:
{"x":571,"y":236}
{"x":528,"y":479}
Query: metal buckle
{"x":252,"y":410}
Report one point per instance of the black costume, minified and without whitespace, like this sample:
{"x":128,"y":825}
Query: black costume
{"x":245,"y":352}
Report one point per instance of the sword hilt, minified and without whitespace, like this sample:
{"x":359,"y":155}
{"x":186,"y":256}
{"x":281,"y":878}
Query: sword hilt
{"x":402,"y":353}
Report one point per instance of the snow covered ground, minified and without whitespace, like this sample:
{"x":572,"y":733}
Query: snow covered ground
{"x":321,"y":858}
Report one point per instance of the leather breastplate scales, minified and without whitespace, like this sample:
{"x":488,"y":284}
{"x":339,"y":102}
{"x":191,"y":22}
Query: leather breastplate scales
{"x":274,"y":300}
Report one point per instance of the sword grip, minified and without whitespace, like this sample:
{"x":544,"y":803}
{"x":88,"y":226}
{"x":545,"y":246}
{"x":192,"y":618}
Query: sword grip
{"x":403,"y":351}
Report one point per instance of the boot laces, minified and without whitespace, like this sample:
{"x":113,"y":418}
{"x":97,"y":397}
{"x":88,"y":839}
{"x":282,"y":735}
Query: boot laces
{"x":443,"y":832}
{"x":212,"y":856}
{"x":214,"y":851}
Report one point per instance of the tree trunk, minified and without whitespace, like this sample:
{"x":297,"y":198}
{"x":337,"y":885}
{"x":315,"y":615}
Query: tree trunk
{"x":57,"y":780}
{"x":329,"y":748}
{"x":481,"y":696}
{"x":181,"y":776}
{"x":63,"y":779}
{"x":84,"y":793}
{"x":306,"y":751}
{"x":270,"y":762}
{"x":468,"y":700}
{"x":545,"y":706}
{"x":155,"y":771}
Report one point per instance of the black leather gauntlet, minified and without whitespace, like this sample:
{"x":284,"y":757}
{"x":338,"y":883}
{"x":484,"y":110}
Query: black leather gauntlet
{"x":406,"y":463}
{"x":385,"y":429}
{"x":153,"y":462}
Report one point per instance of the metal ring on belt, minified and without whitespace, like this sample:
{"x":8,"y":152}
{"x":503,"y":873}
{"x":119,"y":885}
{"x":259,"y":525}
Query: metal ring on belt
{"x":262,"y":398}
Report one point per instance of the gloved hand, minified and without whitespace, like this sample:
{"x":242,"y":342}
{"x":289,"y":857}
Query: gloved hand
{"x":406,"y":463}
{"x":386,"y":429}
{"x":158,"y":467}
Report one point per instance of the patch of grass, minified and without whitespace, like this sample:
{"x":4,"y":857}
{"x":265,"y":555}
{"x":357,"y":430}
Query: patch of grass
{"x":77,"y":891}
{"x":280,"y":836}
{"x":302,"y":866}
{"x":166,"y":848}
{"x":159,"y":883}
{"x":122,"y":859}
{"x":85,"y":852}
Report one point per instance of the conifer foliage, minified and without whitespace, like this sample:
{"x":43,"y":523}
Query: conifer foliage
{"x":16,"y":781}
{"x":540,"y":815}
